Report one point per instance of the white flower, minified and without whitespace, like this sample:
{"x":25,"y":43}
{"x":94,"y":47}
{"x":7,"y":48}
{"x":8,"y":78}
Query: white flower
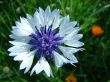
{"x":45,"y":36}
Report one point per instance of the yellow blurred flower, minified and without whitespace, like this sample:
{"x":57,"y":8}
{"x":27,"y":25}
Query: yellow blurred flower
{"x":97,"y":30}
{"x":71,"y":78}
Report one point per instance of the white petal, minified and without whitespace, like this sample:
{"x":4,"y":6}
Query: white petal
{"x":39,"y":20}
{"x":26,"y":25}
{"x":70,"y":49}
{"x":72,"y":39}
{"x":20,"y":38}
{"x":13,"y":27}
{"x":23,"y":27}
{"x":31,"y":21}
{"x":66,"y":27}
{"x":16,"y":43}
{"x":68,"y":53}
{"x":20,"y":32}
{"x":47,"y":15}
{"x":23,"y":48}
{"x":20,"y":56}
{"x":46,"y":67}
{"x":74,"y":43}
{"x":60,"y":60}
{"x":77,"y":36}
{"x":15,"y":37}
{"x":56,"y":22}
{"x":48,"y":11}
{"x":37,"y":68}
{"x":41,"y":11}
{"x":42,"y":15}
{"x":55,"y":13}
{"x":63,"y":25}
{"x":65,"y":20}
{"x":73,"y":36}
{"x":27,"y":62}
{"x":15,"y":54}
{"x":41,"y":65}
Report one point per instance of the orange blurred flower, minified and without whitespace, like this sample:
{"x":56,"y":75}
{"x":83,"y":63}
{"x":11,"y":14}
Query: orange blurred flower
{"x":97,"y":30}
{"x":71,"y":78}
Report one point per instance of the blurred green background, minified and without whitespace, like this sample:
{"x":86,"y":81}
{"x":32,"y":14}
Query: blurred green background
{"x":94,"y":62}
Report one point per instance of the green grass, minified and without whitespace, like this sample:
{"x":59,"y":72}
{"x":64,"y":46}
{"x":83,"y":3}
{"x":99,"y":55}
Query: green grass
{"x":93,"y":63}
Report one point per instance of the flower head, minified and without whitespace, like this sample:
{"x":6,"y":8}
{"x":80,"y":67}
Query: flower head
{"x":71,"y":78}
{"x":45,"y":37}
{"x":97,"y":30}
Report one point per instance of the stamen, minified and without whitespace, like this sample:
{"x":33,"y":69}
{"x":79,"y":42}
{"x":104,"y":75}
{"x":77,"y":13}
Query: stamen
{"x":45,"y":40}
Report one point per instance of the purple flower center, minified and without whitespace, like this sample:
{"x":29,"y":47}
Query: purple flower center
{"x":45,"y":40}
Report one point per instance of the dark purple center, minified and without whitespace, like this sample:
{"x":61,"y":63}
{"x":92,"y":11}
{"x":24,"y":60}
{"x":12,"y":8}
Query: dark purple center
{"x":45,"y":40}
